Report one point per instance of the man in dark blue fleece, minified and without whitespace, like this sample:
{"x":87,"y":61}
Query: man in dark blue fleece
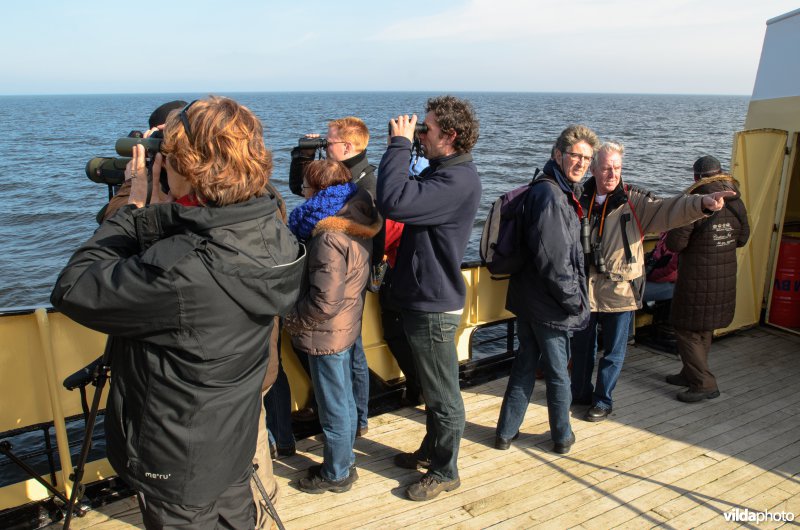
{"x":438,"y":209}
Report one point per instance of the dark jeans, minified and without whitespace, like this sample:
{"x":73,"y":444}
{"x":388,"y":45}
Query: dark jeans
{"x":278,"y":404}
{"x":432,"y":340}
{"x":584,"y":351}
{"x":395,"y":337}
{"x":551,"y":348}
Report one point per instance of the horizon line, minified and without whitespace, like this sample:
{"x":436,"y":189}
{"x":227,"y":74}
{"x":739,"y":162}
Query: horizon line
{"x":41,"y":94}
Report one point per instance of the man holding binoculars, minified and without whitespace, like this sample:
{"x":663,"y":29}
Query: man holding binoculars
{"x":346,"y":142}
{"x":438,"y":208}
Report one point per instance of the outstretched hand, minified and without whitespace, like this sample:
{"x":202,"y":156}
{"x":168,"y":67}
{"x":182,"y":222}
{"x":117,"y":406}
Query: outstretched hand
{"x":716,"y":201}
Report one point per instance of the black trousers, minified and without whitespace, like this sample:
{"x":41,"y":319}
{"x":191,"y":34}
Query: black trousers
{"x":693,"y":348}
{"x":234,"y":509}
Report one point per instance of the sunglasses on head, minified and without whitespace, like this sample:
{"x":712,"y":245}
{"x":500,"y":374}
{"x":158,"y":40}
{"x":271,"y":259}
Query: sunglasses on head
{"x":185,"y":121}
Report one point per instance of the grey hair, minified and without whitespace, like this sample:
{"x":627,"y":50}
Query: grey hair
{"x":609,"y":147}
{"x":574,"y":134}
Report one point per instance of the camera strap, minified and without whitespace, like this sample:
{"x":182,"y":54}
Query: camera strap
{"x":623,"y":223}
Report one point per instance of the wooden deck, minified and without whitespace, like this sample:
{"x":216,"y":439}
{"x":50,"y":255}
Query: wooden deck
{"x":654,"y":462}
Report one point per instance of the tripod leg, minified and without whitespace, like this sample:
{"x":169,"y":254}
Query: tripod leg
{"x":78,"y":488}
{"x":270,"y":507}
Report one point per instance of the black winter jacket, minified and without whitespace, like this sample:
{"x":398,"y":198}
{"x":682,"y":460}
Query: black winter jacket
{"x":187,"y":296}
{"x":438,"y":209}
{"x":705,"y":293}
{"x":551,"y":289}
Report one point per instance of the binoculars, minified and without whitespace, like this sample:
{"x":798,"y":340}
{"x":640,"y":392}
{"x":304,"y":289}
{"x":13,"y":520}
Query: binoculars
{"x":419,"y":128}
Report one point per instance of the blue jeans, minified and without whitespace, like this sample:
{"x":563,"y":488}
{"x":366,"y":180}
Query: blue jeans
{"x":333,"y":386}
{"x":360,"y":372}
{"x":550,"y":347}
{"x":278,"y":404}
{"x":432,"y":340}
{"x":584,"y":349}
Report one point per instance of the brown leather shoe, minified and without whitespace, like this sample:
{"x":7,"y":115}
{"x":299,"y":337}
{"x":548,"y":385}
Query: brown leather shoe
{"x":317,"y":484}
{"x":429,"y":487}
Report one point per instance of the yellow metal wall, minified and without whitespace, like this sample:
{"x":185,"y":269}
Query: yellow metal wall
{"x":38,"y":351}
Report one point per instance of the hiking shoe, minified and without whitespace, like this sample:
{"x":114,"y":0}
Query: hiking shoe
{"x":503,"y":444}
{"x":677,"y":380}
{"x":317,"y":468}
{"x":693,"y":396}
{"x":429,"y":487}
{"x":563,"y":448}
{"x":411,"y":461}
{"x":318,"y":484}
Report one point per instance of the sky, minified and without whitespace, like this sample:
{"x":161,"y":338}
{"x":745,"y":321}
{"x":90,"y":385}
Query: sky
{"x":602,"y":46}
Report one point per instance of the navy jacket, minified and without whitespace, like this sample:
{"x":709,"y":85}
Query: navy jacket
{"x":551,"y":290}
{"x":438,"y":209}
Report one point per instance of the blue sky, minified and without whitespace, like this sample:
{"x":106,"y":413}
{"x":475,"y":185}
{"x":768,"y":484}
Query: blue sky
{"x":675,"y":46}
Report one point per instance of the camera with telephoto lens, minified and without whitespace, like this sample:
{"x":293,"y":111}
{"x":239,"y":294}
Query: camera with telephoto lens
{"x":110,"y":170}
{"x":418,"y":128}
{"x":152,"y":146}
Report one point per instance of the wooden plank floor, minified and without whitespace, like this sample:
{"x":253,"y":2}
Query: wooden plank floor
{"x":655,"y":462}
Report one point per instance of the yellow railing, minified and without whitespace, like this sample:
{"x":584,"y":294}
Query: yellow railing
{"x":39,"y":349}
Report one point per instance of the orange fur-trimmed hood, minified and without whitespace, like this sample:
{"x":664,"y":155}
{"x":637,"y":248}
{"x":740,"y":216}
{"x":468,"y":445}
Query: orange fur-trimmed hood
{"x":358,"y":218}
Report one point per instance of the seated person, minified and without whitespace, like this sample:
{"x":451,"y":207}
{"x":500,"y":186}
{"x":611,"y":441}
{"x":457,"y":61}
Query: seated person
{"x":661,"y":267}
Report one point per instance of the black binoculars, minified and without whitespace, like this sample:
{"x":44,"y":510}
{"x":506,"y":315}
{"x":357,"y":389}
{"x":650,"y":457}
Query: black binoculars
{"x":312,"y":143}
{"x":419,"y":128}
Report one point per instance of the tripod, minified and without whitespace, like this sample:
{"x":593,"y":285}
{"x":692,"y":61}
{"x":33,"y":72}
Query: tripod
{"x":97,"y":374}
{"x":270,"y":507}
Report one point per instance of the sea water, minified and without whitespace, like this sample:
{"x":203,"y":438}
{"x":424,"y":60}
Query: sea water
{"x":48,"y":205}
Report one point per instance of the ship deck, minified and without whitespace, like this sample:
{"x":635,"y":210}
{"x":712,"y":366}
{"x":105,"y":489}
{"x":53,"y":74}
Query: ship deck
{"x":654,"y":462}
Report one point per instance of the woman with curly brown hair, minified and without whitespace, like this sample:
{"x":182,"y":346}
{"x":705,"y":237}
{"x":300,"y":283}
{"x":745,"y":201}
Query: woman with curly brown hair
{"x":187,"y":288}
